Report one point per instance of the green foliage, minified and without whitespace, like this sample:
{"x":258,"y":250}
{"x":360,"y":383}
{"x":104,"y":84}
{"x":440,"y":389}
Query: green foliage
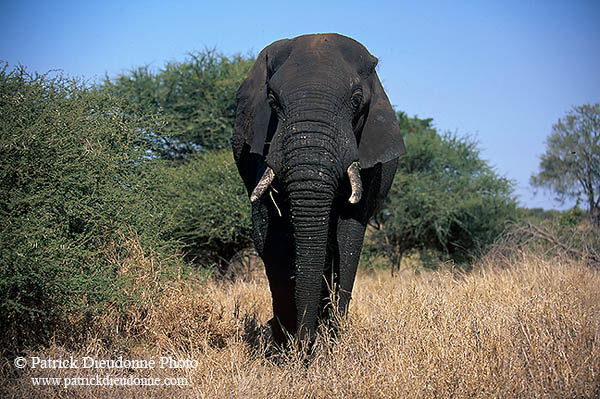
{"x":537,"y":215}
{"x":570,"y":167}
{"x":210,"y":207}
{"x":196,"y":98}
{"x":73,"y":182}
{"x":570,"y":218}
{"x":203,"y":191}
{"x":444,"y":198}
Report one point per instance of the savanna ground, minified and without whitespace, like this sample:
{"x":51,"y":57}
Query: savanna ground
{"x":519,"y":327}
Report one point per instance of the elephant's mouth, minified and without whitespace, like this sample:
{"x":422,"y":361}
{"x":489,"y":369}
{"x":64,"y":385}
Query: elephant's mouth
{"x":353,"y":172}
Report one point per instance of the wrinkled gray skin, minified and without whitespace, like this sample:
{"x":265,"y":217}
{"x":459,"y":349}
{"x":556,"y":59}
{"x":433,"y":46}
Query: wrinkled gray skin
{"x":311,"y":108}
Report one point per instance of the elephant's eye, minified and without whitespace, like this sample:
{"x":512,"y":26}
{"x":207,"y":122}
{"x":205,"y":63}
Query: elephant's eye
{"x":356,"y":99}
{"x":273,"y":102}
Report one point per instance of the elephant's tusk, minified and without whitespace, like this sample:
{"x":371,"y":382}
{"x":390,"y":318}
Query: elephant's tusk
{"x":355,"y":183}
{"x":263,"y":184}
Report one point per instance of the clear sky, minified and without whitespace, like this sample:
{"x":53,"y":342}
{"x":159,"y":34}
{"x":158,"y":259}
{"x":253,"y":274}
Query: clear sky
{"x":500,"y":71}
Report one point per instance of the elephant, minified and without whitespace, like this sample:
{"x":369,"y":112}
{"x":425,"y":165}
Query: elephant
{"x":316,"y":143}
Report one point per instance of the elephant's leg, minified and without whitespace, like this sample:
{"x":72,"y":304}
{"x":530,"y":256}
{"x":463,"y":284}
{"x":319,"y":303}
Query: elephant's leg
{"x":350,"y":235}
{"x":276,"y":252}
{"x":329,"y":279}
{"x":352,"y":224}
{"x":279,"y":268}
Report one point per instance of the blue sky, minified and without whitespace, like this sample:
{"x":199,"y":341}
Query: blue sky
{"x":500,"y":71}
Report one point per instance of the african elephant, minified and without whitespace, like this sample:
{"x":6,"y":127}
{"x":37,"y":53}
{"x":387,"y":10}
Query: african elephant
{"x":316,"y":143}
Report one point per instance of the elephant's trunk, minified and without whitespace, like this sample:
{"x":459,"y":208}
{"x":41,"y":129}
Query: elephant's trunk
{"x":310,"y":182}
{"x":311,"y":229}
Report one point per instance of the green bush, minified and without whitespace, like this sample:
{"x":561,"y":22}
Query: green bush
{"x":538,"y":215}
{"x":210,"y":207}
{"x":202,"y":189}
{"x":196,"y":97}
{"x":444,"y":198}
{"x":73,"y":182}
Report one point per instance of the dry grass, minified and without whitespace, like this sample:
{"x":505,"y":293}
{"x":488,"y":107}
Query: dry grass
{"x":528,"y":330}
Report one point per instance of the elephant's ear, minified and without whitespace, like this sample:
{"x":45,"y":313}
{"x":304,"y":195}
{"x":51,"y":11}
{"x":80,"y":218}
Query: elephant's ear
{"x":253,"y":112}
{"x":380,"y":140}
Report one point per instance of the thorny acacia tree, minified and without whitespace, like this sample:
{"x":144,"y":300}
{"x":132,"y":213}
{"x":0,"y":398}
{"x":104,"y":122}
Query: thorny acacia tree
{"x":445,"y":200}
{"x":194,"y":97}
{"x":570,"y":167}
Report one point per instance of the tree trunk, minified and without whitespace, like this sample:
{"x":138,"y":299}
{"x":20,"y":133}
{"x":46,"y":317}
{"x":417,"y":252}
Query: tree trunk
{"x":594,"y":215}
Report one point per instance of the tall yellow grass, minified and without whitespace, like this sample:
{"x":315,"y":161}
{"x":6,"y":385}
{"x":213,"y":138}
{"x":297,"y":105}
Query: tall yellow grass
{"x":529,"y":330}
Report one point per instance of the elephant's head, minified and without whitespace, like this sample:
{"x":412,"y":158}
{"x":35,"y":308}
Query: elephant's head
{"x":313,"y":111}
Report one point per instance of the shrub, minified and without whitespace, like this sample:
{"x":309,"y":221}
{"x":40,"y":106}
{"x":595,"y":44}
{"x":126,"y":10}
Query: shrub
{"x":570,"y":235}
{"x":195,"y":96}
{"x":444,"y":198}
{"x":72,"y":181}
{"x":210,"y":207}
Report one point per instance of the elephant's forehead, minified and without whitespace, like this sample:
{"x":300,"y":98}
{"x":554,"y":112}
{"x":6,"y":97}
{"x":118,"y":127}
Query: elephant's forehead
{"x":318,"y":60}
{"x":325,"y":40}
{"x":331,"y":50}
{"x":304,"y":71}
{"x":321,"y":46}
{"x":317,"y":41}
